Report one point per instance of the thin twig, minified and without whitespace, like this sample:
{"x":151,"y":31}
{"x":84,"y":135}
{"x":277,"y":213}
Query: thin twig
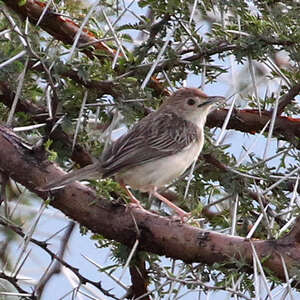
{"x":261,"y":270}
{"x":44,"y":246}
{"x":271,"y":129}
{"x":12,"y":59}
{"x":114,"y":35}
{"x":160,"y":54}
{"x":78,"y":33}
{"x":79,"y":118}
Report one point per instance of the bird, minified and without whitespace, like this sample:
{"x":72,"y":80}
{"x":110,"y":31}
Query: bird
{"x":156,"y":150}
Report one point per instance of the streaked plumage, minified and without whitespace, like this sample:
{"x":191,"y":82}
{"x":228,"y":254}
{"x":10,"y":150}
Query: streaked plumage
{"x":145,"y":142}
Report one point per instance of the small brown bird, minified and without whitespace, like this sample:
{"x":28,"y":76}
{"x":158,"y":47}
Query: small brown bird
{"x":156,"y":150}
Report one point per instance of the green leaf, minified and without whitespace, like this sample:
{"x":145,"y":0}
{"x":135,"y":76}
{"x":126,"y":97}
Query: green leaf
{"x":22,"y":2}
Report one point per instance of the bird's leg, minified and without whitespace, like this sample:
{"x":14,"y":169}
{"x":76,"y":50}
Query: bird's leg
{"x":133,"y":200}
{"x":182,"y":214}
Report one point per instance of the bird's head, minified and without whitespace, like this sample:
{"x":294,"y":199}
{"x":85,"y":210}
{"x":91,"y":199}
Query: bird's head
{"x":192,"y":104}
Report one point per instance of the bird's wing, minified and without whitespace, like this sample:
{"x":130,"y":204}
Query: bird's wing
{"x":157,"y":135}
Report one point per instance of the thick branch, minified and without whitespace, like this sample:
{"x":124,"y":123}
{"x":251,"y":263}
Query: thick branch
{"x":62,"y":28}
{"x":249,"y":120}
{"x":158,"y":234}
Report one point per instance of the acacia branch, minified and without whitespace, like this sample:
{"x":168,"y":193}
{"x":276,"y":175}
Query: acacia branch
{"x":59,"y":261}
{"x":158,"y":234}
{"x":14,"y":282}
{"x":139,"y":277}
{"x":60,"y":27}
{"x":56,"y":266}
{"x":287,"y":98}
{"x":65,"y":29}
{"x":251,"y":121}
{"x":40,"y":114}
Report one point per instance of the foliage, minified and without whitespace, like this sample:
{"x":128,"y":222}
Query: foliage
{"x":251,"y":47}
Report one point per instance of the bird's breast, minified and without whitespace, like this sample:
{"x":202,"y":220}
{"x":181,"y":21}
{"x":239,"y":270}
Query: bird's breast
{"x":160,"y":172}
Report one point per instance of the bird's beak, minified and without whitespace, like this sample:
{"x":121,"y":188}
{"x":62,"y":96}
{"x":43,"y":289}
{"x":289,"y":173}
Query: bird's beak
{"x":214,"y":99}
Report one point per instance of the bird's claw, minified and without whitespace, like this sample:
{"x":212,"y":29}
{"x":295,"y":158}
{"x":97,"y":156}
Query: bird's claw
{"x":132,"y":205}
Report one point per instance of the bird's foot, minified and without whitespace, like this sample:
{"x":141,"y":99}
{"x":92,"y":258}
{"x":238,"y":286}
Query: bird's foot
{"x":182,"y":214}
{"x":133,"y":205}
{"x":133,"y":201}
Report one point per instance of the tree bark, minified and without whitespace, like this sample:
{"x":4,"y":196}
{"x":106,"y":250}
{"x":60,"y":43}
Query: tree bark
{"x":157,"y":234}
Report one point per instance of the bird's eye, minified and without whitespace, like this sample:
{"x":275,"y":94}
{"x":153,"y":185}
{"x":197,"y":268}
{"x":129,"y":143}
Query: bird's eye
{"x":191,"y":102}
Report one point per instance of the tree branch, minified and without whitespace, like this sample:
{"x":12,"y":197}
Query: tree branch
{"x":56,"y":266}
{"x":287,"y":98}
{"x":139,"y":278}
{"x":14,"y":282}
{"x":158,"y":234}
{"x":62,"y":28}
{"x":249,"y":120}
{"x":58,"y":261}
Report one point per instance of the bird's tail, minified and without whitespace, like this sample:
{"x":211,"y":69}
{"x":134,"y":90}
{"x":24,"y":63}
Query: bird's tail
{"x":90,"y":171}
